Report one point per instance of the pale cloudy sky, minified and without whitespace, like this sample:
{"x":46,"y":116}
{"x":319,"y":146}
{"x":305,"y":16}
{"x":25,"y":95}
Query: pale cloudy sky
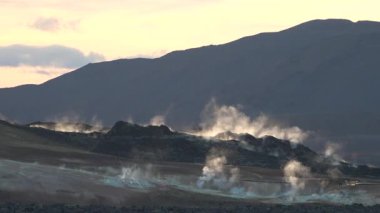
{"x":42,"y":39}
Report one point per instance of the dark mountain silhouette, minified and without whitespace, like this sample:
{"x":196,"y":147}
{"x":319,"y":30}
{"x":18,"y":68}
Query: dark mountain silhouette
{"x":322,"y":75}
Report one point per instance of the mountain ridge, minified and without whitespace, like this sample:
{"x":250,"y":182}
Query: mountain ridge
{"x":128,"y":65}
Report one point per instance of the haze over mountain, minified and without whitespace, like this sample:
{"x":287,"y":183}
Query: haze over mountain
{"x":321,"y":75}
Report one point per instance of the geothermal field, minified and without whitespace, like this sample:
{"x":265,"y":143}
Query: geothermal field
{"x":104,"y":108}
{"x":151,"y":167}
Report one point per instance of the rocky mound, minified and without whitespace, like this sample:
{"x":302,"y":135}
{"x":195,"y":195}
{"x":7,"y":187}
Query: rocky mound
{"x":122,"y":128}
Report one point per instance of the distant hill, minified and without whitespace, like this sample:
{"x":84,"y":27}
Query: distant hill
{"x":322,"y":75}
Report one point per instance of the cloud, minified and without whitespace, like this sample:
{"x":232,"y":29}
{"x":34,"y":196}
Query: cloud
{"x":52,"y":24}
{"x":46,"y":56}
{"x":47,"y":24}
{"x":43,"y":72}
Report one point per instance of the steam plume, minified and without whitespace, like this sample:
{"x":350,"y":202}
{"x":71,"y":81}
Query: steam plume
{"x":136,"y":176}
{"x":294,"y":173}
{"x":2,"y":117}
{"x":216,"y":175}
{"x":157,"y":120}
{"x":220,"y":119}
{"x":71,"y":124}
{"x":331,"y":152}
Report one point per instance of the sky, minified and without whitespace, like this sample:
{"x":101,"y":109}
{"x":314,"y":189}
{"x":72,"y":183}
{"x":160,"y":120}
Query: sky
{"x":42,"y":39}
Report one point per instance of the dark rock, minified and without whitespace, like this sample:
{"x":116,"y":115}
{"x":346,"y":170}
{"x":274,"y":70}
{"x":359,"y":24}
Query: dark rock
{"x":122,"y":128}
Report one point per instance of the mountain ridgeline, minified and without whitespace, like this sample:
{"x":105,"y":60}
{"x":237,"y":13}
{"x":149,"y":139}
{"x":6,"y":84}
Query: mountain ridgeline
{"x":321,"y":75}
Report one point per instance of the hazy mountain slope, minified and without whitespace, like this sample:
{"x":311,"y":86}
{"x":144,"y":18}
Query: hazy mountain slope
{"x":323,"y":69}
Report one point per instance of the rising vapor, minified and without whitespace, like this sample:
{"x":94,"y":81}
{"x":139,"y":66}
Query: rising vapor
{"x":220,"y":119}
{"x":215,"y":173}
{"x":295,"y":173}
{"x":157,"y":120}
{"x":71,"y":124}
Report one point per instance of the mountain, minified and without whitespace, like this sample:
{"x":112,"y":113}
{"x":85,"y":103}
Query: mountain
{"x":321,"y":75}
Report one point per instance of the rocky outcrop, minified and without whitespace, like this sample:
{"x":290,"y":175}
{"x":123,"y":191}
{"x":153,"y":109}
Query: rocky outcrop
{"x":122,"y":128}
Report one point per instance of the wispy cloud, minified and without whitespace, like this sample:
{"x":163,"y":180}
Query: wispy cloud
{"x":52,"y":56}
{"x":52,"y":24}
{"x":46,"y":24}
{"x":43,"y":72}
